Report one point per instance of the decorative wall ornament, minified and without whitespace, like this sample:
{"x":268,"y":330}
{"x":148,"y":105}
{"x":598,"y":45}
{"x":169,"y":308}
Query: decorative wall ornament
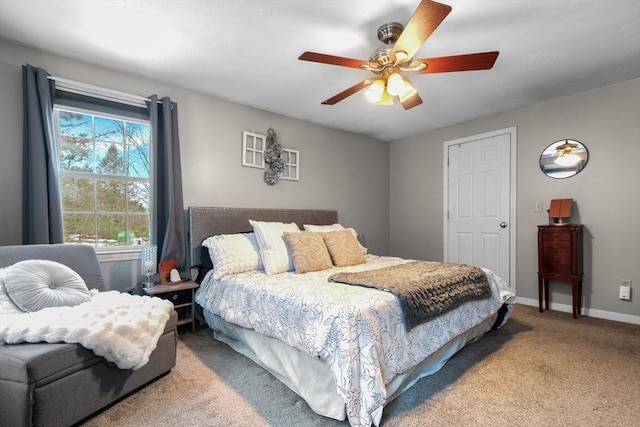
{"x":291,"y":159}
{"x":253,"y":146}
{"x":273,"y":157}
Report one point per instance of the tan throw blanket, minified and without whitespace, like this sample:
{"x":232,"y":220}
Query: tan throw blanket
{"x":425,"y":289}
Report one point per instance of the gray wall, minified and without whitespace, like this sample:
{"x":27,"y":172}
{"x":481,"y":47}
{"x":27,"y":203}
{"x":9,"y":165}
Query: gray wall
{"x":606,"y":192}
{"x":338,"y":170}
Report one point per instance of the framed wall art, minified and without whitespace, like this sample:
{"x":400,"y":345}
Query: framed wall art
{"x":291,"y":159}
{"x":253,"y":146}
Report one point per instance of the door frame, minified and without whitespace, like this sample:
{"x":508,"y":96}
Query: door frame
{"x":512,"y":131}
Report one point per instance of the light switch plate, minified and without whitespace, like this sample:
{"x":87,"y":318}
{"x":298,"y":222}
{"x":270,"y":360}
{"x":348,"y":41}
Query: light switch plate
{"x":538,"y":206}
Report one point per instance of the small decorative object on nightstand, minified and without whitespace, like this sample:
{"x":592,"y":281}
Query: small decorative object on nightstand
{"x":182,"y":296}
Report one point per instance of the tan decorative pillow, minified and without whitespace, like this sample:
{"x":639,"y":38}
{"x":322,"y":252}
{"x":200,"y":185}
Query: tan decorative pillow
{"x":308,"y":251}
{"x":334,"y":227}
{"x":343,"y":248}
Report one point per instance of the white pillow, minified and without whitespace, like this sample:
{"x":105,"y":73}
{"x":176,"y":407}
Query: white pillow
{"x":36,"y":284}
{"x":323,"y":228}
{"x":274,"y":251}
{"x":233,"y":253}
{"x":334,"y":227}
{"x":7,"y":306}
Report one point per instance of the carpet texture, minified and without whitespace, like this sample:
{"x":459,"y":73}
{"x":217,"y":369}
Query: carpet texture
{"x":540,"y":369}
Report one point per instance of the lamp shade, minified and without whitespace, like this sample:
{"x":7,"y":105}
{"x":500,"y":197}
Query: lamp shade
{"x":375,"y":91}
{"x":395,"y":84}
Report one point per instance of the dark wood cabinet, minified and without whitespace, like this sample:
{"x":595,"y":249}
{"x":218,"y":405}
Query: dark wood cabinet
{"x":560,"y":259}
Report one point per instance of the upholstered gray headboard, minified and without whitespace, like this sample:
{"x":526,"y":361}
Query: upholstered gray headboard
{"x":210,"y":221}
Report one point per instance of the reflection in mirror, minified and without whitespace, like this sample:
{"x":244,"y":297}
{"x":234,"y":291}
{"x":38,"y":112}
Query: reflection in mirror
{"x":564,"y":158}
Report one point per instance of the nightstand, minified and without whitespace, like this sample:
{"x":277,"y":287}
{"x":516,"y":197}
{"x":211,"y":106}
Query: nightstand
{"x":182,"y":296}
{"x":560,"y":258}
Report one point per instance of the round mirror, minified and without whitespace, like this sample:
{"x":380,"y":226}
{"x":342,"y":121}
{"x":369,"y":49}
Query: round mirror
{"x":564,"y":158}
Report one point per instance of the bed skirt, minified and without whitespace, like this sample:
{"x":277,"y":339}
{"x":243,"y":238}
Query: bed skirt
{"x":312,"y":378}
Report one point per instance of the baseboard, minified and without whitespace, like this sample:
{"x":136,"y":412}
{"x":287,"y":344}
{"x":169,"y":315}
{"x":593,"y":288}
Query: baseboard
{"x":590,"y":312}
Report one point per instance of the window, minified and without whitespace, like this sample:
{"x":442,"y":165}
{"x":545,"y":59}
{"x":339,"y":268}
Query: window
{"x":253,"y":146}
{"x":291,"y":164}
{"x":105,"y":169}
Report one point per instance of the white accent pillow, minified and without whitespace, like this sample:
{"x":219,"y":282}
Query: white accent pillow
{"x":233,"y":253}
{"x":36,"y":284}
{"x":334,"y":227}
{"x":274,"y":251}
{"x":7,"y":306}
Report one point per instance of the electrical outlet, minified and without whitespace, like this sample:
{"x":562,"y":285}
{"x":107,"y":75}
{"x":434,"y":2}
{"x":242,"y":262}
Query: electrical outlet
{"x":625,"y":290}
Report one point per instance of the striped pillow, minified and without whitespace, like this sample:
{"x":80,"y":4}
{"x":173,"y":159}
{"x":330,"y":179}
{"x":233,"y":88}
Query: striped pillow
{"x":275,"y":255}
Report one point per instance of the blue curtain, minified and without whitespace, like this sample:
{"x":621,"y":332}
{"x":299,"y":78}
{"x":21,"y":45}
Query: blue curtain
{"x":42,"y":203}
{"x":167,"y":214}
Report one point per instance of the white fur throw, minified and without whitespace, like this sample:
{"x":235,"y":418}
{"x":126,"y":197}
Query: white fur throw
{"x":122,"y":328}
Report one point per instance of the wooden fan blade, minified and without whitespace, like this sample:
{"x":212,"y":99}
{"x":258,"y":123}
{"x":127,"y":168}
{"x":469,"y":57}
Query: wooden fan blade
{"x":409,"y":98}
{"x":347,"y":92}
{"x":332,"y":60}
{"x":424,"y":21}
{"x":468,"y":62}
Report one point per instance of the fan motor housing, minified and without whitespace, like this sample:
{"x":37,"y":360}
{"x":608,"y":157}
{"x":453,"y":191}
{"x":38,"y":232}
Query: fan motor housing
{"x":390,"y":32}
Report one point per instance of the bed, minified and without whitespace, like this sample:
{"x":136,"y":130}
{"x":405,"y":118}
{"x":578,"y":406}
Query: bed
{"x":346,"y":350}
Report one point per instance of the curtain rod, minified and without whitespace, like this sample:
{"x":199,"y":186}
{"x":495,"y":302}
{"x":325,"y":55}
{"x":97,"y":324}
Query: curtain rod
{"x":100,"y":92}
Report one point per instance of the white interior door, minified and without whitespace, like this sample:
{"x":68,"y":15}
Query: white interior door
{"x":480,"y":202}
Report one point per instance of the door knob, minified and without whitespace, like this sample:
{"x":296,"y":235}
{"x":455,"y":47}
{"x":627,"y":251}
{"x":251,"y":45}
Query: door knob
{"x":503,"y":224}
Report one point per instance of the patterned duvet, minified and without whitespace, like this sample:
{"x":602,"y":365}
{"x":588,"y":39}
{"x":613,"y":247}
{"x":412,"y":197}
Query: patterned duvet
{"x":359,"y":332}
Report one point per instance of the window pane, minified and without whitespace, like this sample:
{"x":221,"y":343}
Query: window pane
{"x":109,"y":129}
{"x":137,"y":133}
{"x":79,"y":228}
{"x":112,"y":196}
{"x":76,"y":124}
{"x":139,"y":196}
{"x":109,"y":158}
{"x":111,"y":230}
{"x":76,"y":154}
{"x":139,"y":161}
{"x":139,"y":227}
{"x":77,"y":194}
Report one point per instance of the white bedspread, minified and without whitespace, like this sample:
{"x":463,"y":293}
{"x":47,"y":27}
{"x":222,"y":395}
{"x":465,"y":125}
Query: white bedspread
{"x":357,"y":331}
{"x":122,"y":328}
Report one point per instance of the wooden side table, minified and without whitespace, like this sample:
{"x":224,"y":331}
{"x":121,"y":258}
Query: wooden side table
{"x":560,"y":258}
{"x":182,"y":296}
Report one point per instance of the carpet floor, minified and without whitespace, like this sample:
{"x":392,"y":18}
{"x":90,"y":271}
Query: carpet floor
{"x":540,"y":369}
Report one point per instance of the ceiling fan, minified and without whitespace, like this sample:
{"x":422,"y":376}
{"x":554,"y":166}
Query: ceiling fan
{"x":391,"y":62}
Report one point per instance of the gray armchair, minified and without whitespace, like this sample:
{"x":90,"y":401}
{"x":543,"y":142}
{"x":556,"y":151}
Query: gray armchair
{"x":62,"y":384}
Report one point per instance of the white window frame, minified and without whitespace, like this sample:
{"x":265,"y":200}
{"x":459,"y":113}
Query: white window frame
{"x":250,"y":149}
{"x":291,"y":170}
{"x":125,"y":251}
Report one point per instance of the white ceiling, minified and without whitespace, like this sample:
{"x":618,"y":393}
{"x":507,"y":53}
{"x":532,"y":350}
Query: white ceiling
{"x":246,"y":51}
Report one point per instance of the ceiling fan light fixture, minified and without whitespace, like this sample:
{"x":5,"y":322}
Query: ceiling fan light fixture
{"x":386,"y":99}
{"x":568,"y":160}
{"x":401,"y":55}
{"x":395,"y":84}
{"x":375,"y":91}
